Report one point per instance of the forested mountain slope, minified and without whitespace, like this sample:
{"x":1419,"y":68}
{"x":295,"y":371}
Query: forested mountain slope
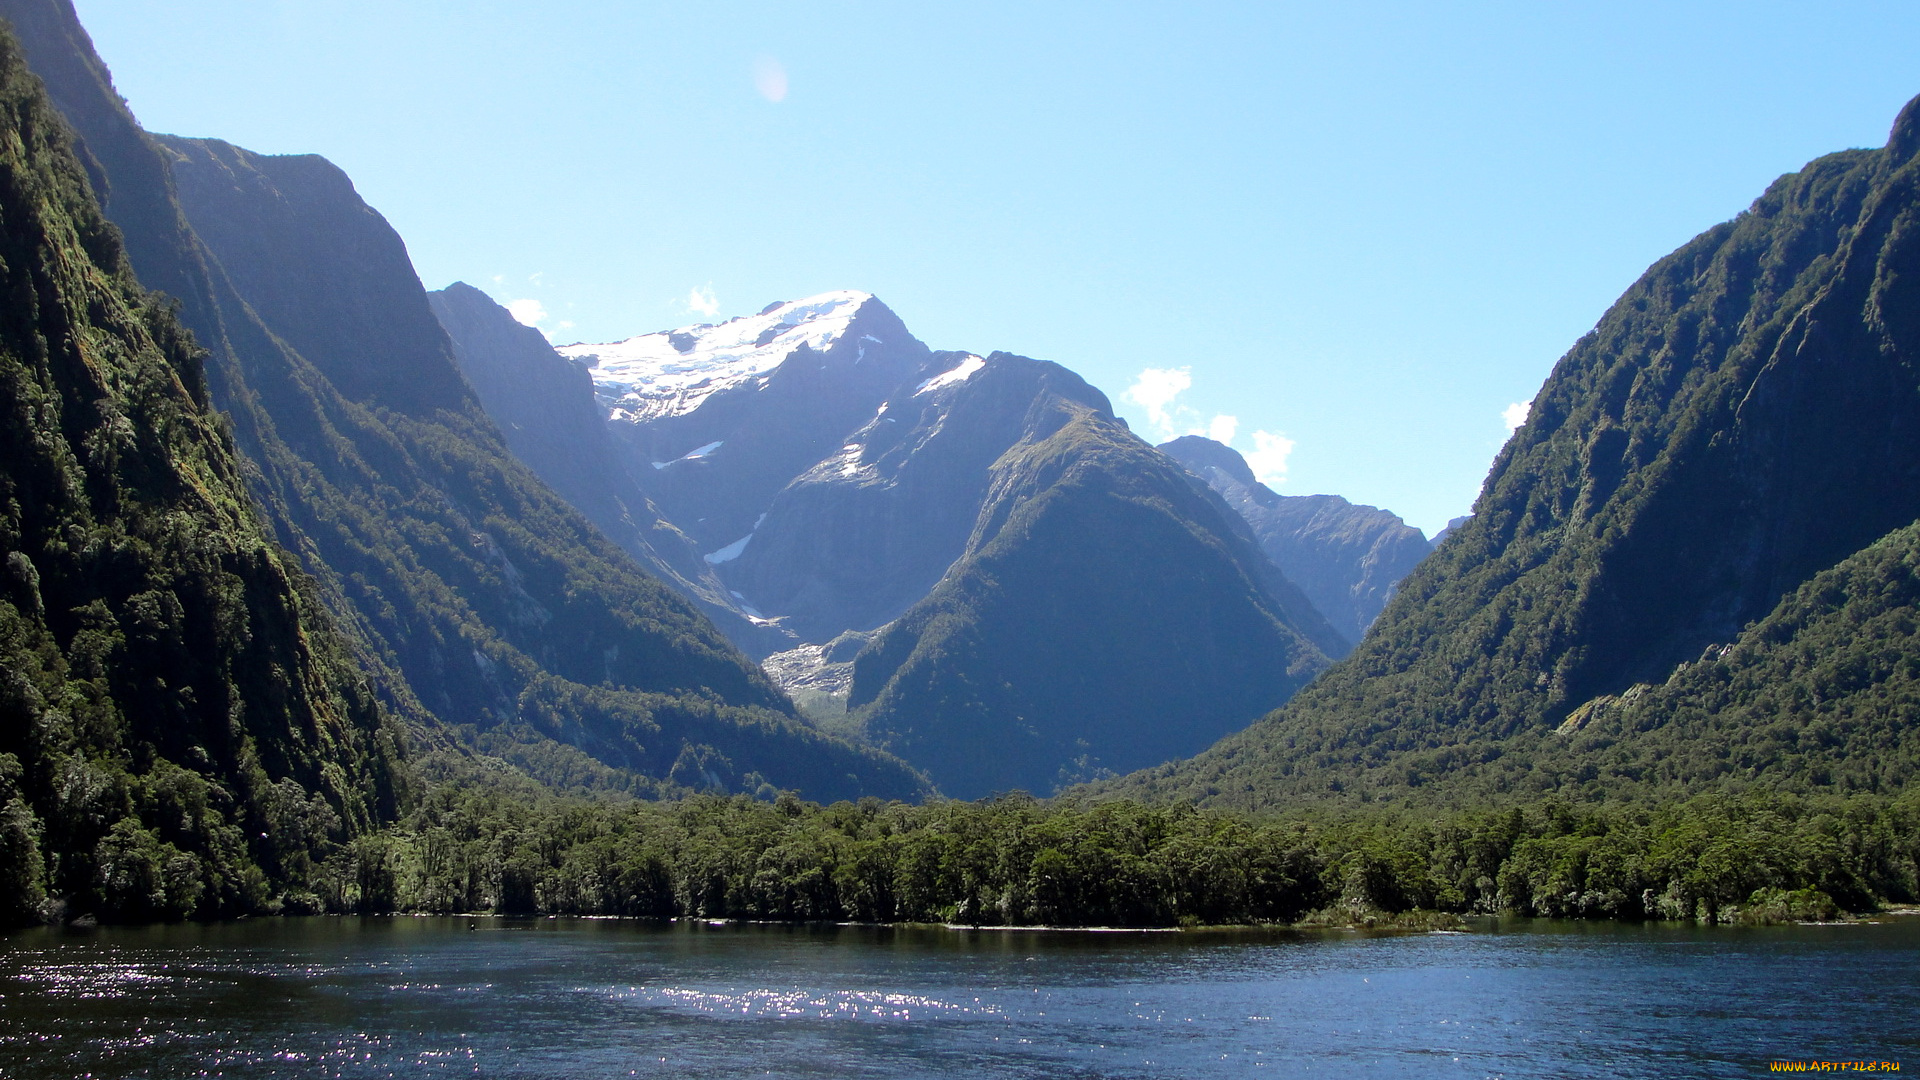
{"x":479,"y":598}
{"x":1745,"y":417}
{"x":182,"y":731}
{"x":1108,"y":611}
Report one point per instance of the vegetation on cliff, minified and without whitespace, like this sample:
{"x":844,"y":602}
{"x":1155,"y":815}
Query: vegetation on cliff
{"x":182,"y":730}
{"x":1743,"y":419}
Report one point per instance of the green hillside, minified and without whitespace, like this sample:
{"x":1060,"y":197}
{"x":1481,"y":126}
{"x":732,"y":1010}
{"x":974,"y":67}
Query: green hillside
{"x":1745,"y":417}
{"x":182,"y":731}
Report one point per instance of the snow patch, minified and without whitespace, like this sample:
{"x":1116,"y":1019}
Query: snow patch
{"x":729,"y":553}
{"x":957,"y":374}
{"x":691,"y":455}
{"x":672,"y":372}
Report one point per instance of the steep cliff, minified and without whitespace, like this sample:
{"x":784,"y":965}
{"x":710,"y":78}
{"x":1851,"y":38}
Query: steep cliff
{"x":1745,"y":417}
{"x":182,"y":731}
{"x":543,"y":404}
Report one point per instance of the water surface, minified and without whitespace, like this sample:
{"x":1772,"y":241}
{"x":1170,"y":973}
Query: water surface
{"x":559,"y":998}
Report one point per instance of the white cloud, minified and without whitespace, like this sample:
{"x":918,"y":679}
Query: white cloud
{"x":770,"y":79}
{"x":1268,"y":458}
{"x":1516,"y":414}
{"x":703,"y":302}
{"x":1155,"y":390}
{"x":1221,"y":428}
{"x":527,"y":312}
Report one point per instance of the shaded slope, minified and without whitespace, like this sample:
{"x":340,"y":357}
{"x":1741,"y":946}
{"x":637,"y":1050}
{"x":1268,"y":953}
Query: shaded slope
{"x":181,"y":730}
{"x":1746,"y":416}
{"x":1347,"y":559}
{"x":1109,"y":611}
{"x":868,"y":531}
{"x":478,"y":597}
{"x":543,"y":404}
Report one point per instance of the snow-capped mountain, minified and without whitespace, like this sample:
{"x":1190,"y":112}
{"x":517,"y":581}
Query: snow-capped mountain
{"x":973,"y":552}
{"x":674,"y":372}
{"x":714,"y":420}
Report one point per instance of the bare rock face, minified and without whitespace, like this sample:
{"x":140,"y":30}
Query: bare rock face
{"x":1347,"y":558}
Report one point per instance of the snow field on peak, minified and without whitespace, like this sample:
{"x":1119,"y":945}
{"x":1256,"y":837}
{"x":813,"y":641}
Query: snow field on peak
{"x":959,"y":373}
{"x":670,"y":373}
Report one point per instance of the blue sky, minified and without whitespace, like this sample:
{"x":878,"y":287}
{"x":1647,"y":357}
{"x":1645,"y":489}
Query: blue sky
{"x":1362,"y":232}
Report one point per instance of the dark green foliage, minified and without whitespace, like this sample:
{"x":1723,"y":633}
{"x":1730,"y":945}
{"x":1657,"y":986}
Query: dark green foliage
{"x":1015,"y":861}
{"x":181,"y":731}
{"x":1109,"y":612}
{"x":1746,"y":416}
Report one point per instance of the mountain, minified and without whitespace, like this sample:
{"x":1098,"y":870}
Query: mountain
{"x":480,"y":600}
{"x":1108,"y":611}
{"x":1745,"y":418}
{"x":182,"y":730}
{"x":1346,"y":558}
{"x":873,"y":502}
{"x":870,"y":529}
{"x":716,"y":420}
{"x":543,"y":404}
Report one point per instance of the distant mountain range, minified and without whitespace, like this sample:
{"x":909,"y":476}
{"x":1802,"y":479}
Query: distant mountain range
{"x":1347,"y":559}
{"x":868,"y":506}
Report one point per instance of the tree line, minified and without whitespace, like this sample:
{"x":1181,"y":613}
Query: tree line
{"x":1015,"y":860}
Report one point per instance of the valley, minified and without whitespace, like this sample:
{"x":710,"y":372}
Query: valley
{"x":328,"y":593}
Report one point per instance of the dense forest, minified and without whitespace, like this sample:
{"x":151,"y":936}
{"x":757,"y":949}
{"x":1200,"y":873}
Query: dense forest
{"x":284,"y":630}
{"x":181,"y":724}
{"x":1015,"y":860}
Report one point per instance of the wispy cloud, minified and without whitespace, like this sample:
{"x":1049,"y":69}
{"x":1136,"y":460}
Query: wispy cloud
{"x":527,"y":312}
{"x":770,"y":79}
{"x":1156,"y":390}
{"x":703,"y":302}
{"x":1516,"y":414}
{"x":1268,"y":458}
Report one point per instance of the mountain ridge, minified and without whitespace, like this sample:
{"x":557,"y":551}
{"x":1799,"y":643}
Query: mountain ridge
{"x":1743,"y":419}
